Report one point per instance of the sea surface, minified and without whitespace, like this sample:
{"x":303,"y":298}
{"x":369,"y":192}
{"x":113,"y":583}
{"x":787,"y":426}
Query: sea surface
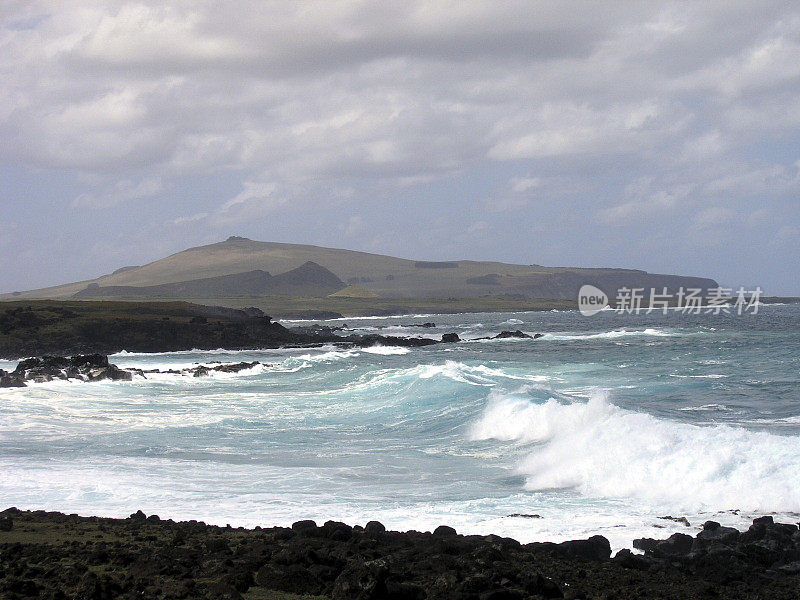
{"x":604,"y":425}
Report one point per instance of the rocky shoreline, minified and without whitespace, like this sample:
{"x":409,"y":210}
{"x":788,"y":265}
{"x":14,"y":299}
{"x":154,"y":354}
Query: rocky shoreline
{"x":57,"y":556}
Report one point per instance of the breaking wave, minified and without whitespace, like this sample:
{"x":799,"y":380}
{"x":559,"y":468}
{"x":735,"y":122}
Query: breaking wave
{"x":599,"y":449}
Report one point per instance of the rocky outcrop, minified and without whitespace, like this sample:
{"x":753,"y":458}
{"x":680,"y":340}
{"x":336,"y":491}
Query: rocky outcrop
{"x":724,"y":554}
{"x":85,"y":367}
{"x":64,"y":329}
{"x":504,"y":335}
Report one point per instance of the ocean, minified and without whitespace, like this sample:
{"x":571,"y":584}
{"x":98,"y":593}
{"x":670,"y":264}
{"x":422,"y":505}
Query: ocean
{"x":604,"y":425}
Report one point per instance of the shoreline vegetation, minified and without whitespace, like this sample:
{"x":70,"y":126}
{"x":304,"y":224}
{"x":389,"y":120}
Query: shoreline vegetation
{"x":58,"y":556}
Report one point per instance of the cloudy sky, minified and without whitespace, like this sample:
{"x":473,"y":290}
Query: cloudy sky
{"x":662,"y":136}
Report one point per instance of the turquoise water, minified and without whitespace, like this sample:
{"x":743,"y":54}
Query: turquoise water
{"x":603,"y":425}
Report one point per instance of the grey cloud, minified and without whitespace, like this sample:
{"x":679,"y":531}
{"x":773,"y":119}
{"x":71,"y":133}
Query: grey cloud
{"x":396,"y":100}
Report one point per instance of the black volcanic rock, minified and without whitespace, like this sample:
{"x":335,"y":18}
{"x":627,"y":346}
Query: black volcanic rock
{"x":91,"y":367}
{"x":53,"y":555}
{"x":10,"y":380}
{"x":511,"y":334}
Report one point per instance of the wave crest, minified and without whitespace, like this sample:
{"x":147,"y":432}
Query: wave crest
{"x":602,"y":450}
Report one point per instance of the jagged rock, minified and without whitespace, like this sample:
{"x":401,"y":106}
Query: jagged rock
{"x":512,"y":334}
{"x":87,"y":367}
{"x":713,"y":531}
{"x":10,"y":380}
{"x":682,"y":520}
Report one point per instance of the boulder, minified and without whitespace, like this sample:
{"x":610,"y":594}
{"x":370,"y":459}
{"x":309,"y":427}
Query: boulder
{"x":596,"y":547}
{"x":627,"y":559}
{"x":449,"y":338}
{"x":444,"y":531}
{"x":374,"y":528}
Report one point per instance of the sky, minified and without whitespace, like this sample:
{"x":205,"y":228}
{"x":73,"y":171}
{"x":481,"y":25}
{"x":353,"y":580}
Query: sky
{"x":653,"y":135}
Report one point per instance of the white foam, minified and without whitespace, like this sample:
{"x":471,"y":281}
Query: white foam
{"x":614,"y":334}
{"x":601,"y":450}
{"x":386,"y":350}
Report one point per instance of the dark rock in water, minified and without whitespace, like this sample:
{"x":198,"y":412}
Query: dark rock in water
{"x":10,"y":380}
{"x":235,"y":367}
{"x":682,"y":520}
{"x":595,"y":548}
{"x":201,"y":371}
{"x":536,"y":336}
{"x":525,"y":515}
{"x":449,"y":338}
{"x":87,"y":367}
{"x":512,"y":334}
{"x":423,"y":325}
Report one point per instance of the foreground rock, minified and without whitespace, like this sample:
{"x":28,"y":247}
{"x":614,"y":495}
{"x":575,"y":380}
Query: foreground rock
{"x":724,"y":554}
{"x":52,"y":555}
